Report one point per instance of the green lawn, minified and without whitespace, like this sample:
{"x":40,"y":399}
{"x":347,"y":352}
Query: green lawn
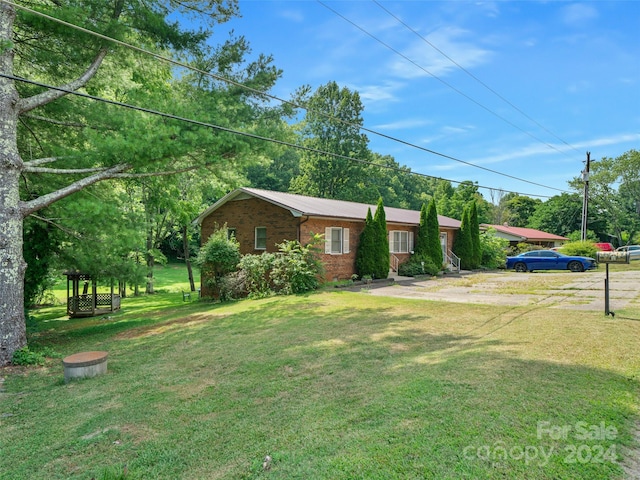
{"x":333,"y":385}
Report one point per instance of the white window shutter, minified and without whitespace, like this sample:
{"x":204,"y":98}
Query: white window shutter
{"x":410,"y":241}
{"x":327,"y":240}
{"x":345,"y":240}
{"x":391,"y":241}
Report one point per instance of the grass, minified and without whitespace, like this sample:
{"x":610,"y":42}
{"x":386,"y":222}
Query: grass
{"x":334,"y":385}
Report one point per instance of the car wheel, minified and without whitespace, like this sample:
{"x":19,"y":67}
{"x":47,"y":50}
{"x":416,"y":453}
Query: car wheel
{"x":576,"y":266}
{"x":520,"y":267}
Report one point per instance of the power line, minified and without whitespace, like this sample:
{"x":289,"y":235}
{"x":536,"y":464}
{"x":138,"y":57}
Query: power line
{"x":444,"y":82}
{"x":244,"y":134}
{"x":273,"y":97}
{"x":476,"y":78}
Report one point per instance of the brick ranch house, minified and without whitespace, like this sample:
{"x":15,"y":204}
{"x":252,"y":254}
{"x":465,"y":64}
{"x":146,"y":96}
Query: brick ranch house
{"x":260,"y":219}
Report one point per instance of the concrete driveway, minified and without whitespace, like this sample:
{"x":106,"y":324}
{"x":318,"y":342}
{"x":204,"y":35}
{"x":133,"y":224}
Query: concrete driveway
{"x":576,"y":291}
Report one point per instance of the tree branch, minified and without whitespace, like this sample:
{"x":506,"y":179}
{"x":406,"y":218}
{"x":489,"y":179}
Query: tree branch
{"x":156,"y":174}
{"x":31,"y":206}
{"x":57,"y":225}
{"x":41,"y":161}
{"x":27,"y":104}
{"x":62,"y":171}
{"x":56,"y":122}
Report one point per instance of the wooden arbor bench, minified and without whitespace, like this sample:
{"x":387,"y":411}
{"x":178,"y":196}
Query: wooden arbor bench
{"x":84,"y":365}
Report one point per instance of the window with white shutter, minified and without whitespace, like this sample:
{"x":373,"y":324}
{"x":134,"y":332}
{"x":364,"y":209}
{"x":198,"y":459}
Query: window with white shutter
{"x":336,"y":240}
{"x":400,"y":241}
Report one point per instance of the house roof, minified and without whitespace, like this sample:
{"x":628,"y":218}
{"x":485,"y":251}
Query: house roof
{"x":526,"y":234}
{"x":301,"y":205}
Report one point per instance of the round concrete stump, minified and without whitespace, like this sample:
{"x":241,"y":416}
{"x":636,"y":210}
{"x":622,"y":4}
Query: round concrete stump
{"x":84,"y":365}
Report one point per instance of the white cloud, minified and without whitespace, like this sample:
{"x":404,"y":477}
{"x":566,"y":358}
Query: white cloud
{"x":423,"y":58}
{"x":578,"y":14}
{"x":404,"y":124}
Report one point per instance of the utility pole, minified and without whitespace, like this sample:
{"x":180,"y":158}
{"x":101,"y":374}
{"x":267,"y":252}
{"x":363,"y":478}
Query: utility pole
{"x":585,"y":198}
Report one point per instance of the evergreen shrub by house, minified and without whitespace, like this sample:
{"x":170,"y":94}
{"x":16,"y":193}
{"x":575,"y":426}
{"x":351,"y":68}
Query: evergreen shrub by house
{"x":381,"y":243}
{"x":418,"y":265}
{"x":365,"y":256}
{"x":462,"y":245}
{"x":434,"y":248}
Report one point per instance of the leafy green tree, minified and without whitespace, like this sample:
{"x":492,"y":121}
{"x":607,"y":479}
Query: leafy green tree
{"x":560,"y":214}
{"x":519,"y":209}
{"x":614,"y":186}
{"x":365,"y":255}
{"x":39,"y":252}
{"x":380,"y":243}
{"x":332,"y":124}
{"x":55,"y":144}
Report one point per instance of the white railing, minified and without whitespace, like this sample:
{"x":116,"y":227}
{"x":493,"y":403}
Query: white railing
{"x":394,"y":262}
{"x":453,"y":261}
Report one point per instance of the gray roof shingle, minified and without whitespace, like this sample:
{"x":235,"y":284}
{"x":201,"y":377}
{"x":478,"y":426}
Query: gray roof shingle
{"x":301,"y":205}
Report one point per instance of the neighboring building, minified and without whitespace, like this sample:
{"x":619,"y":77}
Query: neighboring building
{"x":260,"y":219}
{"x":517,"y":235}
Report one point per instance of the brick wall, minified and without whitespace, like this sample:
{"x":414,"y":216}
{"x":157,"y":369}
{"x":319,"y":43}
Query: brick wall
{"x":247,"y":214}
{"x":337,"y":267}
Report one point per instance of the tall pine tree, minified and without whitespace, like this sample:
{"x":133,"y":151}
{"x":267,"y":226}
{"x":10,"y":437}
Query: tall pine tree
{"x":432,"y":227}
{"x":365,"y":264}
{"x":474,"y":232}
{"x":421,"y":247}
{"x":381,"y":243}
{"x":462,"y":245}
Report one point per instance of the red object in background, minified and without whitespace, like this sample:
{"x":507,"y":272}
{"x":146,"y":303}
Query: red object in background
{"x":605,"y":247}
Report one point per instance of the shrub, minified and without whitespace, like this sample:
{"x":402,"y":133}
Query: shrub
{"x":257,"y":270}
{"x":365,"y":255}
{"x":24,"y":356}
{"x":494,"y":249}
{"x":218,"y":257}
{"x":296,"y":268}
{"x":232,"y":286}
{"x":583,"y":249}
{"x":418,"y":265}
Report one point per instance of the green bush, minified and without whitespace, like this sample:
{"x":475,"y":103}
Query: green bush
{"x":418,"y":265}
{"x":24,"y":356}
{"x":257,"y":270}
{"x":296,"y":268}
{"x":582,"y":249}
{"x":232,"y":286}
{"x":218,"y":257}
{"x":494,"y":249}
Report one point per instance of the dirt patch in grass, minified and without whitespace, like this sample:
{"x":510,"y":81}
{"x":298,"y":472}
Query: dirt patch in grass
{"x":164,"y":327}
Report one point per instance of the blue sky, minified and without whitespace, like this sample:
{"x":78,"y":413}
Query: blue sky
{"x":571,"y":70}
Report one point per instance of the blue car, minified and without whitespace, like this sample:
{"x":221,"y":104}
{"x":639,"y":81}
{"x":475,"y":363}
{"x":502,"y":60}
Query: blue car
{"x":549,"y":260}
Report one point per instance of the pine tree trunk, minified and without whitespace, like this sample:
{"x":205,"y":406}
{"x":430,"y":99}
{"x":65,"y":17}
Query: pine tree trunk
{"x":12,"y":264}
{"x":187,"y":257}
{"x":150,"y":262}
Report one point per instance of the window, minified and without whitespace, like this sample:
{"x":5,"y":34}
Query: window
{"x":400,"y":241}
{"x":261,"y":238}
{"x":336,"y":240}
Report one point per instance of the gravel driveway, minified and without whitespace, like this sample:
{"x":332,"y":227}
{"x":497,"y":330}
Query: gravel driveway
{"x":576,"y":291}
